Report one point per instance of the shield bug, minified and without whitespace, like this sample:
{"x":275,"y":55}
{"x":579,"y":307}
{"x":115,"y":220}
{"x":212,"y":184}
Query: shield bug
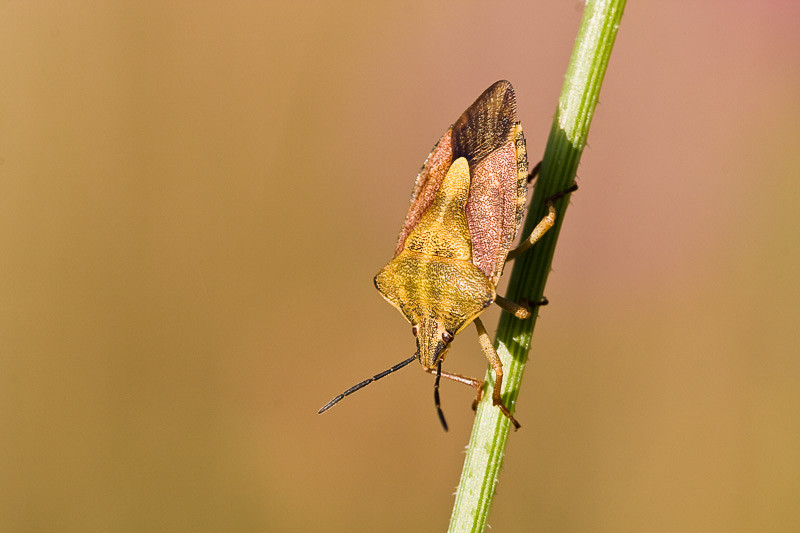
{"x":466,"y":207}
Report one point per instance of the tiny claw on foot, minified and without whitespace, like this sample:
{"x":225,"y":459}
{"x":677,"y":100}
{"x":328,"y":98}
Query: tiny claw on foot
{"x":505,"y":411}
{"x":530,"y":303}
{"x":478,"y":398}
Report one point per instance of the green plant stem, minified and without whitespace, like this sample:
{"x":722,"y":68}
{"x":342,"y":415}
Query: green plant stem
{"x":567,"y":139}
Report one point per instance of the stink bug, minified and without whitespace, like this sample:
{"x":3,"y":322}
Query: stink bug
{"x":466,"y":207}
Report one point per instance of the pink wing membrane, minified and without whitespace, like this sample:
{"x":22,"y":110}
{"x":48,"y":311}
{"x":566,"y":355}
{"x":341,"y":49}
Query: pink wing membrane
{"x":492,"y":209}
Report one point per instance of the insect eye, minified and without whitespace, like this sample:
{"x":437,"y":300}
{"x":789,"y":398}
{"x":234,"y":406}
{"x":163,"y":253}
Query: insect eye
{"x":447,"y":337}
{"x":414,"y":330}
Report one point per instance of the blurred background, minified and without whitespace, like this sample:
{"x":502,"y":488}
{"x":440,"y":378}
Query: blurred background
{"x":194,"y":199}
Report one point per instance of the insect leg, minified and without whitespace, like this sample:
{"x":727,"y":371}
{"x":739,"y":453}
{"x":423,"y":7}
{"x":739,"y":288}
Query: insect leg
{"x":541,"y":228}
{"x":519,"y":310}
{"x":475,"y":383}
{"x":497,"y":366}
{"x":540,"y":303}
{"x":534,"y":173}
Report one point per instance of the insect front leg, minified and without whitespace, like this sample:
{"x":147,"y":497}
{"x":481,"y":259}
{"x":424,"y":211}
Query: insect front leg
{"x":475,"y":383}
{"x":541,"y":228}
{"x":497,"y":366}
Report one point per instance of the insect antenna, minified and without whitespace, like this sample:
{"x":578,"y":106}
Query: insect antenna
{"x":436,"y":396}
{"x":366,"y":382}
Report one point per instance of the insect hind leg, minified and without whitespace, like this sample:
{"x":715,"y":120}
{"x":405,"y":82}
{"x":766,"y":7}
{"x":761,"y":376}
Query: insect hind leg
{"x":541,"y":228}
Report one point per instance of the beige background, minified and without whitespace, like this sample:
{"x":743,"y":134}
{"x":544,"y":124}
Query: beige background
{"x":194,"y":198}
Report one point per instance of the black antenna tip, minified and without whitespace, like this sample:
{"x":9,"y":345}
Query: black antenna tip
{"x":442,"y":420}
{"x":436,"y":400}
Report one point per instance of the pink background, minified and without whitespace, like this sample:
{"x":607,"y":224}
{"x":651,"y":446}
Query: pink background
{"x":194,"y":198}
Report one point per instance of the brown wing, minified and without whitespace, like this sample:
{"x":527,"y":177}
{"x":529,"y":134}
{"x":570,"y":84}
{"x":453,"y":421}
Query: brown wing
{"x":488,"y":135}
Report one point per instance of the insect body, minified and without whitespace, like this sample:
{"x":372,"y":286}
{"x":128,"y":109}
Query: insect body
{"x":466,"y":207}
